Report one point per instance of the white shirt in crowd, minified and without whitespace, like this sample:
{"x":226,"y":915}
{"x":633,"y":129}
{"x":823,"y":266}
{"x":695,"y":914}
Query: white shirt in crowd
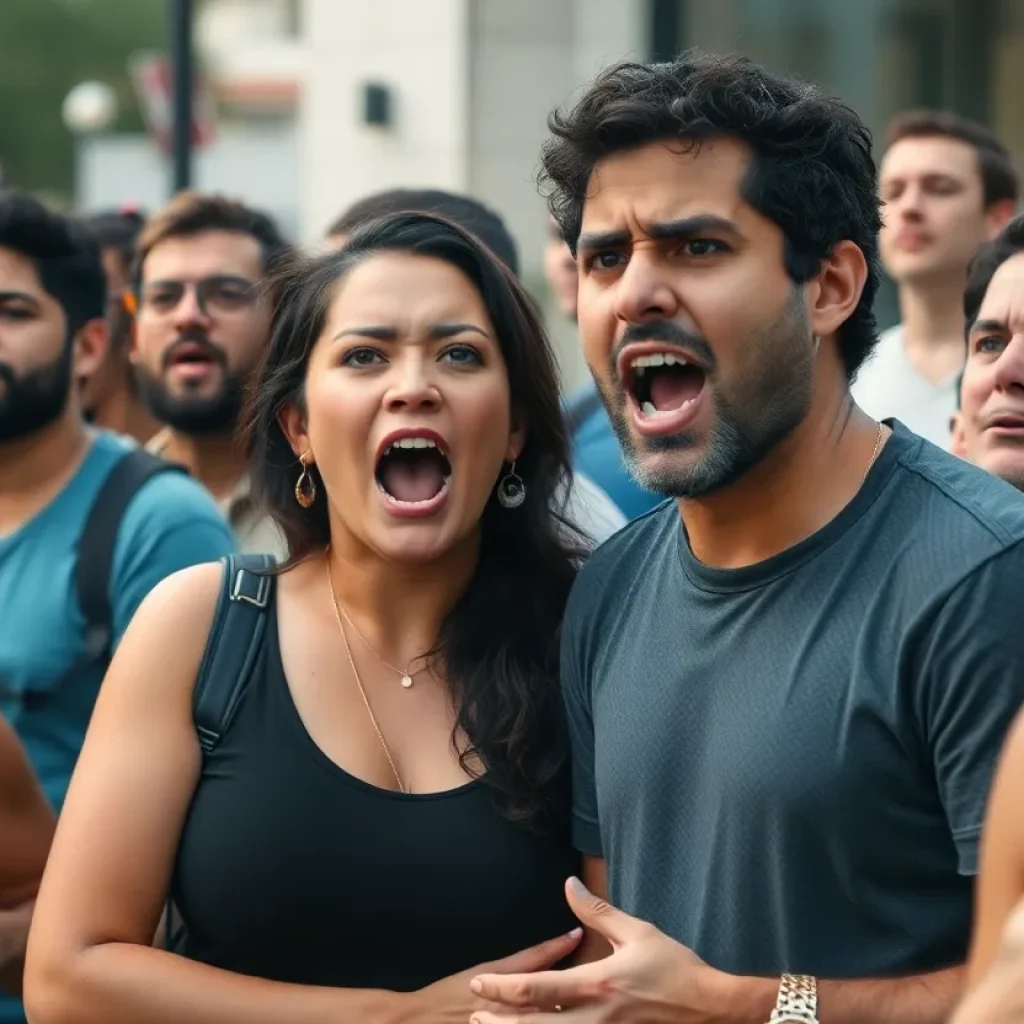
{"x":889,"y":385}
{"x":591,"y":510}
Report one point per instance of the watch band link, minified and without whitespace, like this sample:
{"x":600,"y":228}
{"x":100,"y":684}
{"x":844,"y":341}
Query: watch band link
{"x":797,"y":1002}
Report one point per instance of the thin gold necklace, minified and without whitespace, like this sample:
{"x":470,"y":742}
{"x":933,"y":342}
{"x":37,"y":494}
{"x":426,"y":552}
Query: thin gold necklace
{"x":355,"y":674}
{"x":407,"y":677}
{"x":874,"y":455}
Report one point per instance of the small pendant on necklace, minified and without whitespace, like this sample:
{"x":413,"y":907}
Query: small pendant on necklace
{"x":407,"y":680}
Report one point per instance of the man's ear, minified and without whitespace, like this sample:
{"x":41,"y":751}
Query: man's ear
{"x":997,"y":216}
{"x":91,"y":345}
{"x":958,"y":441}
{"x":833,"y":294}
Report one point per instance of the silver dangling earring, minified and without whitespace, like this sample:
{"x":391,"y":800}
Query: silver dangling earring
{"x":511,"y":489}
{"x":305,"y":486}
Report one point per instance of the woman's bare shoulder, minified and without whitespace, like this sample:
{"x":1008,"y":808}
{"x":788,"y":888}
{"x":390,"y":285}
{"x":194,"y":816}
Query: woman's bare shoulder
{"x":167,"y":635}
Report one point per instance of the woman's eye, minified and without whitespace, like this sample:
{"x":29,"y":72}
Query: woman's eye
{"x":462,"y":355}
{"x":704,"y":247}
{"x":362,"y":357}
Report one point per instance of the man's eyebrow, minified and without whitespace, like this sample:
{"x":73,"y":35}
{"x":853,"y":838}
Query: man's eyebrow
{"x":685,"y":227}
{"x":988,"y":325}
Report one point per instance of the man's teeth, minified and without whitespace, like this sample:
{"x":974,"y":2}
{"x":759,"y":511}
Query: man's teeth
{"x":658,"y":359}
{"x":650,"y":409}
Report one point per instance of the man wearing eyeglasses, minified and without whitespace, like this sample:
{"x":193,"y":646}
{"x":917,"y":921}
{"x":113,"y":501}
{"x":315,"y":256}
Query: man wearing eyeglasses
{"x":200,"y":329}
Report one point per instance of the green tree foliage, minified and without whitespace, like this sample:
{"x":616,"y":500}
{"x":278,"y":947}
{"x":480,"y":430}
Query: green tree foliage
{"x":48,"y":46}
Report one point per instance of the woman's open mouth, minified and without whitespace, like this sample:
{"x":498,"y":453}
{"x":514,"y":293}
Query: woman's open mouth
{"x":665,"y":389}
{"x":413,"y":474}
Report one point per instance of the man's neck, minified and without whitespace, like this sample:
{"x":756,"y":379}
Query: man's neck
{"x":35,"y":469}
{"x":123,"y":413}
{"x":932,"y":317}
{"x":215,"y":460}
{"x":797,"y":489}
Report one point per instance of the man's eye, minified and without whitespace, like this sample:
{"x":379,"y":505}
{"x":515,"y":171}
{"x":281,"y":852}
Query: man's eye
{"x":704,"y":247}
{"x":605,"y":260}
{"x":362,"y":357}
{"x":229,"y":293}
{"x":990,"y":344}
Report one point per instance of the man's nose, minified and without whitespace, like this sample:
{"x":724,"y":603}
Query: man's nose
{"x":189,"y":309}
{"x":644,"y":291}
{"x":1010,"y":366}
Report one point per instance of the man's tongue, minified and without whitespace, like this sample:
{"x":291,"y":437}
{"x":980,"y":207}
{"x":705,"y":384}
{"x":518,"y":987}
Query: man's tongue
{"x":412,"y":480}
{"x":669,"y":390}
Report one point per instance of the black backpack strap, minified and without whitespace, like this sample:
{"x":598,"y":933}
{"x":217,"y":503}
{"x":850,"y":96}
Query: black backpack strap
{"x":232,"y":649}
{"x":239,"y":625}
{"x":95,"y":554}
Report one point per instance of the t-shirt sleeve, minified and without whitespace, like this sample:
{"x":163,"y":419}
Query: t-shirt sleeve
{"x":586,"y":830}
{"x":973,"y":687}
{"x":171,"y":524}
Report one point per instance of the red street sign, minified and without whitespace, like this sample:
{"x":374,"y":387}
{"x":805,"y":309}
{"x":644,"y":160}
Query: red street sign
{"x":151,"y":76}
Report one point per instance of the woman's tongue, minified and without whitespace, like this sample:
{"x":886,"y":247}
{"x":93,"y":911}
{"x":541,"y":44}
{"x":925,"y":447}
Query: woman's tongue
{"x":412,"y":480}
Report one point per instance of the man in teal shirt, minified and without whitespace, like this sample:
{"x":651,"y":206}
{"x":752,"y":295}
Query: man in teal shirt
{"x":52,"y":468}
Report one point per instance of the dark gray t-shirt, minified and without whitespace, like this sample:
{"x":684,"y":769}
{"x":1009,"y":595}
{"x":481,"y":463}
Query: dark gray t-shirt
{"x":786,"y":766}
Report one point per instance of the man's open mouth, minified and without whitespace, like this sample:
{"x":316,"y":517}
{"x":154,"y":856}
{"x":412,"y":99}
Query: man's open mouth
{"x":663,"y":382}
{"x":413,"y":471}
{"x":666,"y":389}
{"x":1007,"y":421}
{"x":193,"y":354}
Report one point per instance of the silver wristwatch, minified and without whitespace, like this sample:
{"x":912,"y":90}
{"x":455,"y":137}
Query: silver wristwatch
{"x":797,"y":1002}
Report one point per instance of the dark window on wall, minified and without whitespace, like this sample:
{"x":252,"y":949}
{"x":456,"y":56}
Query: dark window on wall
{"x":665,"y":25}
{"x":293,"y":18}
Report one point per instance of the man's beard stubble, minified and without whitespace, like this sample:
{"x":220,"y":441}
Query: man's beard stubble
{"x":194,"y":415}
{"x":764,"y":405}
{"x":35,"y":399}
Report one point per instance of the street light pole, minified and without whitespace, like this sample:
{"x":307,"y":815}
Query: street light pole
{"x":181,"y":92}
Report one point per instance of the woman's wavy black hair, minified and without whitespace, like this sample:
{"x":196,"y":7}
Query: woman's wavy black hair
{"x":498,"y":647}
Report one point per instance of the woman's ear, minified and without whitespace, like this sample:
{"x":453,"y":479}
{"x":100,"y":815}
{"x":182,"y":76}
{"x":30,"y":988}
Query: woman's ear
{"x":516,"y":437}
{"x":292,"y":422}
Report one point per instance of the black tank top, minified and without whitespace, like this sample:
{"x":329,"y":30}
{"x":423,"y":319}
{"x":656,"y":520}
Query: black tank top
{"x":291,"y":869}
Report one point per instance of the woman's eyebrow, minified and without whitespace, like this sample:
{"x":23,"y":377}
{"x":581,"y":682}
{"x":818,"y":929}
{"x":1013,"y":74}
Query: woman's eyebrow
{"x":436,"y":332}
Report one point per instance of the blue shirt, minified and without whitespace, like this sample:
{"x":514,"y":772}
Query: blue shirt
{"x":170,"y":524}
{"x":597,"y":455}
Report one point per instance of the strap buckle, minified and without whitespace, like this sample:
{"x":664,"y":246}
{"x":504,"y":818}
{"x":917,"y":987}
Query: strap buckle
{"x":240,"y":591}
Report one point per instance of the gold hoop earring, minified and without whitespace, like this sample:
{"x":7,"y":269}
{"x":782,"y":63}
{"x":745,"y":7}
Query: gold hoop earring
{"x":305,"y":486}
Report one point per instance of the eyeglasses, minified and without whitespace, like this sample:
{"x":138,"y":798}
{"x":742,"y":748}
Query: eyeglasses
{"x":218,"y":295}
